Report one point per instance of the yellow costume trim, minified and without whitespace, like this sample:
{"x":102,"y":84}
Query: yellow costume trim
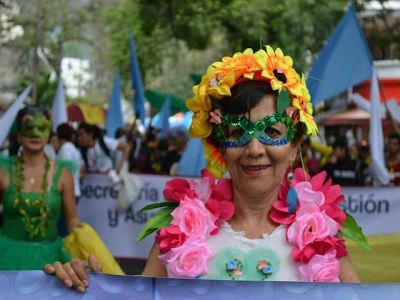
{"x":83,"y":240}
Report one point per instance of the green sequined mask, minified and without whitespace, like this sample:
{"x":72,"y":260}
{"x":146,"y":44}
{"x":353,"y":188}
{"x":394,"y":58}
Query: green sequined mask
{"x":242,"y":130}
{"x":38,"y":127}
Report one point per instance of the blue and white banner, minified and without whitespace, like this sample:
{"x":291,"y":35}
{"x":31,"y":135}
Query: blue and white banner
{"x":376,"y":210}
{"x":38,"y":285}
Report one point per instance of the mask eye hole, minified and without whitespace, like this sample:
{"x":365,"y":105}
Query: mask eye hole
{"x":276,"y":131}
{"x":235,"y":133}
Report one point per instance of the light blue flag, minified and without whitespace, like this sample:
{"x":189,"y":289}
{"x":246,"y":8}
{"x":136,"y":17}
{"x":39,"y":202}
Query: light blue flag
{"x":59,"y":110}
{"x":137,"y":83}
{"x":344,"y":61}
{"x":378,"y":168}
{"x":165,"y":113}
{"x":114,"y":118}
{"x":7,"y":119}
{"x":192,"y":160}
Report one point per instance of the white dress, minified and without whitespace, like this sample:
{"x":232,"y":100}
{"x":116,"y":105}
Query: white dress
{"x":229,"y":245}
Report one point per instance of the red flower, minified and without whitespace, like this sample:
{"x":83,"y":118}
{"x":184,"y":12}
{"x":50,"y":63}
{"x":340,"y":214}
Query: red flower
{"x":170,"y":237}
{"x":177,"y":189}
{"x":223,"y":210}
{"x":321,"y":248}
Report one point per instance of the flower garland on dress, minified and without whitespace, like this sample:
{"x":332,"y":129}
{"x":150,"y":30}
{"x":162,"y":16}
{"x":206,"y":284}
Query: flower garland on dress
{"x":36,"y":213}
{"x":194,"y":211}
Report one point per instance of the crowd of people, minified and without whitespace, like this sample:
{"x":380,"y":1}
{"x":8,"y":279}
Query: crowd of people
{"x":348,"y":163}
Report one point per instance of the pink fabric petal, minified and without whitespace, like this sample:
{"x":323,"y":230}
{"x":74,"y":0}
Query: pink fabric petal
{"x":318,"y":180}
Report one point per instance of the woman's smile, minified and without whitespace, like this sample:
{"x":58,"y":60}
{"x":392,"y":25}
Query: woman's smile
{"x":255,"y":170}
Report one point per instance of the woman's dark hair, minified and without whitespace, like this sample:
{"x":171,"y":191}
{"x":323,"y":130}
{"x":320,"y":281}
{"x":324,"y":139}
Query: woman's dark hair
{"x":65,"y":132}
{"x":97,"y":134}
{"x":30,"y":110}
{"x":244,"y":97}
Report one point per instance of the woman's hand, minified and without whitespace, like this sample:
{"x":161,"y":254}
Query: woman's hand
{"x":74,"y":273}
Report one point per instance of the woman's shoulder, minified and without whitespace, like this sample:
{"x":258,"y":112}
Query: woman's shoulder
{"x":64,"y":164}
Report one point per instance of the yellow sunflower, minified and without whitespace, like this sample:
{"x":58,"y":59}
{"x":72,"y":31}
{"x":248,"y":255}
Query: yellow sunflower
{"x":303,"y":104}
{"x":278,"y":68}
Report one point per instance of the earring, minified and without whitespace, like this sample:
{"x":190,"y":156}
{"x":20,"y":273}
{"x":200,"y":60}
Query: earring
{"x":291,"y":197}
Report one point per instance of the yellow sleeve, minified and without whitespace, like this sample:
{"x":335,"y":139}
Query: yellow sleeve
{"x":83,"y":240}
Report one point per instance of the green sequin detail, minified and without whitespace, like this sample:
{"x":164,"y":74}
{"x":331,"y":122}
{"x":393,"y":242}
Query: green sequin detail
{"x":38,"y":127}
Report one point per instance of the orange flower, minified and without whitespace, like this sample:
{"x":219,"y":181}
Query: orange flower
{"x":216,"y":163}
{"x":279,"y":70}
{"x":241,"y":64}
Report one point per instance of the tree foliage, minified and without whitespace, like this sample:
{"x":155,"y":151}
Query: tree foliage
{"x":177,"y":38}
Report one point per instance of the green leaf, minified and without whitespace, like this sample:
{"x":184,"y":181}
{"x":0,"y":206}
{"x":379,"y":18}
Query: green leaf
{"x":161,"y":219}
{"x":157,"y":205}
{"x":352,"y":231}
{"x":283,"y":101}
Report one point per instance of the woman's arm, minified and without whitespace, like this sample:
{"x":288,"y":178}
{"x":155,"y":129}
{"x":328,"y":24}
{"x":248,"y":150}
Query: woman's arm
{"x":68,"y":196}
{"x":347,"y":272}
{"x":154,"y":266}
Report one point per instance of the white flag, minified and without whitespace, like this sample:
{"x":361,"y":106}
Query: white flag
{"x":59,"y":110}
{"x":7,"y":119}
{"x":380,"y":173}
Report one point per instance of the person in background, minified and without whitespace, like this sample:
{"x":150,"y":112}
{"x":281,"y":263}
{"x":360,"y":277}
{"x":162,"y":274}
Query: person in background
{"x":393,"y":158}
{"x":66,"y":150}
{"x":341,"y":167}
{"x":97,"y":150}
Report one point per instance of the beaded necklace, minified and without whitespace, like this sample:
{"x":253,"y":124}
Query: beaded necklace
{"x":37,"y":223}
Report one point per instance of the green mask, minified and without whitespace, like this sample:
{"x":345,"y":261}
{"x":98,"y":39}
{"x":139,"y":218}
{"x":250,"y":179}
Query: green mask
{"x":244,"y":130}
{"x":38,"y":127}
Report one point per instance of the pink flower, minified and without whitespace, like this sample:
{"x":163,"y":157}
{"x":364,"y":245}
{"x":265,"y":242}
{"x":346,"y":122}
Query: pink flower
{"x":193,"y":218}
{"x":237,"y":273}
{"x":321,"y":268}
{"x":202,"y":188}
{"x":170,"y":237}
{"x":187,"y":261}
{"x":306,"y":194}
{"x":177,"y":189}
{"x":215,"y":116}
{"x":290,"y":111}
{"x":310,"y":225}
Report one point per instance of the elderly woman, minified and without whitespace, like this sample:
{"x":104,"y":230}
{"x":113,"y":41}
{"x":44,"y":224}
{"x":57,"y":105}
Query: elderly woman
{"x":268,"y":222}
{"x":35,"y":190}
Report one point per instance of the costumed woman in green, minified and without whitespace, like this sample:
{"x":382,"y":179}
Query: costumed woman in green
{"x":34,"y":192}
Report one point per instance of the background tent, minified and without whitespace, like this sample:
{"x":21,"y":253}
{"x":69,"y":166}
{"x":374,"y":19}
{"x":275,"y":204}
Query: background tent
{"x":157,"y":98}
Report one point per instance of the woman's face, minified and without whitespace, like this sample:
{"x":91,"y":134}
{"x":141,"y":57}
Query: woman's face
{"x":34,"y":132}
{"x":84,"y":139}
{"x":257,"y":168}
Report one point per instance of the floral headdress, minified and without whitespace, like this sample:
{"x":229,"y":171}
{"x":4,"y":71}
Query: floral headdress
{"x":265,"y":65}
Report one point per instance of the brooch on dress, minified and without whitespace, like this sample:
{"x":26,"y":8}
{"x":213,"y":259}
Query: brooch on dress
{"x":234,"y":268}
{"x":265,"y":268}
